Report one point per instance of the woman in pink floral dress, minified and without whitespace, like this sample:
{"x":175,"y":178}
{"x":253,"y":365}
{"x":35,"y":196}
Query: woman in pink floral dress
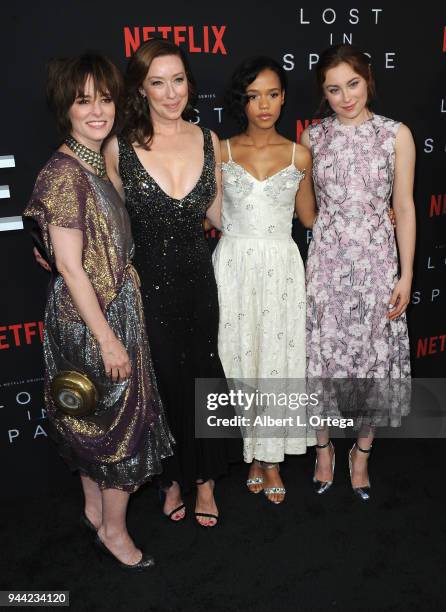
{"x":356,"y":298}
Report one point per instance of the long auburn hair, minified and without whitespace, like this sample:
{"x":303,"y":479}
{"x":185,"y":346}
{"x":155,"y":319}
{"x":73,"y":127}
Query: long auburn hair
{"x":339,"y":54}
{"x":138,"y":123}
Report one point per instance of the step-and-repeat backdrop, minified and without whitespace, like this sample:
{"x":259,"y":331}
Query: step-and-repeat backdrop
{"x":407,"y":46}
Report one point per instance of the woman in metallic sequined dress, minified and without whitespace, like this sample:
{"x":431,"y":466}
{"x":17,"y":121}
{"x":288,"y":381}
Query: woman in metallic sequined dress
{"x":94,"y":321}
{"x":168,"y":169}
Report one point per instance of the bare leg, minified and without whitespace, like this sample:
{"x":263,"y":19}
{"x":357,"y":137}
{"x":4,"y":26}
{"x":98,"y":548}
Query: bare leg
{"x":173,"y":500}
{"x":113,"y":531}
{"x":324,"y":467}
{"x":93,"y":501}
{"x":360,"y":474}
{"x":206,"y":503}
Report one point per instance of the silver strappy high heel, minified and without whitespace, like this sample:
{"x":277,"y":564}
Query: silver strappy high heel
{"x":272,"y":490}
{"x":258,"y":480}
{"x":363,"y":493}
{"x":321,"y":486}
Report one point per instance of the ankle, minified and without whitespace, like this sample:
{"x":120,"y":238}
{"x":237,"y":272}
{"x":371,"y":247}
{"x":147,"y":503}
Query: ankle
{"x":326,"y":447}
{"x":93,"y":513}
{"x":112,"y":532}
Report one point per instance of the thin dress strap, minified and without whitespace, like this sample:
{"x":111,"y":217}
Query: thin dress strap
{"x":229,"y":149}
{"x":294,"y":151}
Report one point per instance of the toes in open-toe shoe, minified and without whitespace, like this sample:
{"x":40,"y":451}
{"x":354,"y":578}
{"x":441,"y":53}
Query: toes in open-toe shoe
{"x":207,"y":515}
{"x":258,"y":480}
{"x":270,"y":491}
{"x":169,"y":515}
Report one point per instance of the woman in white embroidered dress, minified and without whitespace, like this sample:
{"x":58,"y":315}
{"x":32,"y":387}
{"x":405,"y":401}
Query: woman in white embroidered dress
{"x":258,"y":267}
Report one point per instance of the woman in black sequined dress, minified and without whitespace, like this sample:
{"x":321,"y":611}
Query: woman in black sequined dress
{"x":168,"y":169}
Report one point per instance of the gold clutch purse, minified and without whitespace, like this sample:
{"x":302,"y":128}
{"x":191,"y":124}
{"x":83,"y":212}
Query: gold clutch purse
{"x":74,"y":393}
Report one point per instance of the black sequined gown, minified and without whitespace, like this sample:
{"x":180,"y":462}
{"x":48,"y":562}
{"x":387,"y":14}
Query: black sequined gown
{"x":180,"y":303}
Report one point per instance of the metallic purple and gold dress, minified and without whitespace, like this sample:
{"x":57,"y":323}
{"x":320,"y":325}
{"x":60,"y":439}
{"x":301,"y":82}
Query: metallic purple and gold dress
{"x":122,"y":444}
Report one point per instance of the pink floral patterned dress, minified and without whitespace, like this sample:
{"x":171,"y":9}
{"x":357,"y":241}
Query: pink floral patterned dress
{"x":352,"y":263}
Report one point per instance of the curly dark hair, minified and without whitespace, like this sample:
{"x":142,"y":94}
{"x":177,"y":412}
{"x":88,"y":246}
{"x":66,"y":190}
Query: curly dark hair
{"x":247,"y":72}
{"x":66,"y":81}
{"x":339,"y":54}
{"x":138,"y":124}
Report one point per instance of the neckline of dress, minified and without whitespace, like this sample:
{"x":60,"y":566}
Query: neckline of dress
{"x":101,"y":178}
{"x":350,"y":126}
{"x":231,"y":161}
{"x":159,"y":186}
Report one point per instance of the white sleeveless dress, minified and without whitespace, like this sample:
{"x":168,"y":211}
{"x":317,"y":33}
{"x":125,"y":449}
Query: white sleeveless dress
{"x":261,"y":289}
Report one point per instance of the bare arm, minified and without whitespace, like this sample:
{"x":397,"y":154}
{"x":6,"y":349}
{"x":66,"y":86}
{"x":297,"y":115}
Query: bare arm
{"x":404,"y":207}
{"x":213,"y":213}
{"x":305,"y":139}
{"x":67,"y":246}
{"x":111,"y":154}
{"x":305,"y":200}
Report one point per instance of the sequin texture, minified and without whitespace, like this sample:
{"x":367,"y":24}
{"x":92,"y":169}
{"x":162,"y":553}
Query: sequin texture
{"x":180,"y":303}
{"x":122,"y":444}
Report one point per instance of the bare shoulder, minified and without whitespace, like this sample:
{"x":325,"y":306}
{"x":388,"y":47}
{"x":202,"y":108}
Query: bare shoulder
{"x":214,"y":137}
{"x":305,"y":138}
{"x":111,"y":148}
{"x":111,"y":154}
{"x":403,"y":134}
{"x":215,"y":140}
{"x":302,"y":158}
{"x":224,"y":150}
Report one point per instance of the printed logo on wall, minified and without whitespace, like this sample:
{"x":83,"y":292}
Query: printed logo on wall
{"x":342,"y":25}
{"x":197,"y":39}
{"x":437,"y":205}
{"x":429,"y":145}
{"x":431,"y":345}
{"x":418,"y":297}
{"x":207,"y":101}
{"x":20,"y":334}
{"x":28,"y":418}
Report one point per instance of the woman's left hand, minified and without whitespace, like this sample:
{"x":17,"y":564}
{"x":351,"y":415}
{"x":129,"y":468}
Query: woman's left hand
{"x":400,"y":298}
{"x":392,"y":217}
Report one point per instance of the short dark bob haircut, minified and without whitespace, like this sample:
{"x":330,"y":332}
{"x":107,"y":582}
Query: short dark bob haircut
{"x":247,"y":72}
{"x":66,"y":81}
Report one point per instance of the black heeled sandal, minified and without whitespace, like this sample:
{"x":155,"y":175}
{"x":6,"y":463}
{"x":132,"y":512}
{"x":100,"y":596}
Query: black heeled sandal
{"x":162,"y":495}
{"x":363,"y":493}
{"x":321,"y":486}
{"x":206,"y":515}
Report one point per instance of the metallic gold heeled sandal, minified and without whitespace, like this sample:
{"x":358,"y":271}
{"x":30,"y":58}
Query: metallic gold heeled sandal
{"x":321,"y":486}
{"x":363,"y":493}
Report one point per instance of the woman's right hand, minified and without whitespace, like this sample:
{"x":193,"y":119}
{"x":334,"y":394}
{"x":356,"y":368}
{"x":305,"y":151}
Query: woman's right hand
{"x":45,"y":265}
{"x":116,"y":361}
